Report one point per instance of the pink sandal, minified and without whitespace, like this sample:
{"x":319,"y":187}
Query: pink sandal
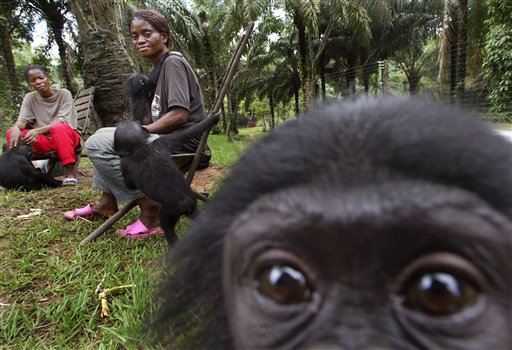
{"x":85,"y":212}
{"x":138,"y":230}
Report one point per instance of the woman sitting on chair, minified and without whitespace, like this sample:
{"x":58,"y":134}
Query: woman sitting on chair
{"x":177,"y":103}
{"x":47,"y":121}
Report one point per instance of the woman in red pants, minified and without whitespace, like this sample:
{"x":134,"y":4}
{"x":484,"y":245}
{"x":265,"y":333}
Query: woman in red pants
{"x":47,"y":121}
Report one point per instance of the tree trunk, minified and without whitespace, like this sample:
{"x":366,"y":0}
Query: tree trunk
{"x":303,"y":54}
{"x":210,"y":64}
{"x":53,"y":13}
{"x":106,"y":63}
{"x":272,"y":113}
{"x":443,"y":46}
{"x":10,"y":65}
{"x":350,"y":74}
{"x":385,"y":77}
{"x":453,"y":65}
{"x":233,"y":125}
{"x":297,"y":102}
{"x":296,"y":91}
{"x":462,"y":54}
{"x":367,"y":71}
{"x":414,"y":78}
{"x":224,"y":120}
{"x":65,"y":66}
{"x":322,"y":78}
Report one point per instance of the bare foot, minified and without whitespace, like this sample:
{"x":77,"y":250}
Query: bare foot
{"x":149,"y":212}
{"x":107,"y":206}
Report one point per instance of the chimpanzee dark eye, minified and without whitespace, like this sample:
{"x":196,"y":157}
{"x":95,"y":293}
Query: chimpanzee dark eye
{"x":283,"y":284}
{"x":439,"y":294}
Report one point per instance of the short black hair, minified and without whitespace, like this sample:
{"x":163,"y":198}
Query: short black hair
{"x":157,"y":21}
{"x":35,"y":66}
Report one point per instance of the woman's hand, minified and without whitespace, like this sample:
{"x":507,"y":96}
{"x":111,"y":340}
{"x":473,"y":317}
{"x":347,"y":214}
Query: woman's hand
{"x":31,"y":136}
{"x":15,"y":136}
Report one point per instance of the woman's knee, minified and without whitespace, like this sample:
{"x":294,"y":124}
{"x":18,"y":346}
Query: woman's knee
{"x":103,"y":139}
{"x":62,"y":132}
{"x":60,"y":128}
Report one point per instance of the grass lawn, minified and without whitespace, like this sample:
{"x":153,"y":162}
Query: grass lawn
{"x":48,"y":282}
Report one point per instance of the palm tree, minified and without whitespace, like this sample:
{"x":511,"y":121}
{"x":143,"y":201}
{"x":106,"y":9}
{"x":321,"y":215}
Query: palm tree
{"x":16,"y":21}
{"x":379,"y":12}
{"x":412,"y":25}
{"x":462,"y":48}
{"x":8,"y":62}
{"x":463,"y":23}
{"x":347,"y":43}
{"x":106,"y":63}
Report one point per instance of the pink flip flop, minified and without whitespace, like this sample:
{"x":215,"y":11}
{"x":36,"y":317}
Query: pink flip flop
{"x":85,"y":212}
{"x":138,"y":230}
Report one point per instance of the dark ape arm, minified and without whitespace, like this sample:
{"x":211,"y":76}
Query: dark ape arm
{"x":180,"y":137}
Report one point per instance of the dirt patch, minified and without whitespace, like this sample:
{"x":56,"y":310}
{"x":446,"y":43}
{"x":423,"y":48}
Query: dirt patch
{"x":204,"y":179}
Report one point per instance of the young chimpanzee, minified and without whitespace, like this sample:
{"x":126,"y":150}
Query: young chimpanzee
{"x":368,"y":225}
{"x":150,"y":168}
{"x":18,"y":172}
{"x":140,"y":89}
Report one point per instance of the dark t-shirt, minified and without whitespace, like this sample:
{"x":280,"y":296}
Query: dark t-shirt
{"x":178,"y":86}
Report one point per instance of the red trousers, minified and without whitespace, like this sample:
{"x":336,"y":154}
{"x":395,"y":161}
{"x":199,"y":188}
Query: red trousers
{"x":62,"y":139}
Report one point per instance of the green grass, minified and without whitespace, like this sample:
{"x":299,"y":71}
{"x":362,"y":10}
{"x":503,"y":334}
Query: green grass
{"x":48,"y":282}
{"x":226,"y":153}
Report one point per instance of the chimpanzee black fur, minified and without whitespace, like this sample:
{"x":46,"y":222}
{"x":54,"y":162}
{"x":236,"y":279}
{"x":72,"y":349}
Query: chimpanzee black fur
{"x":18,"y":172}
{"x":150,"y":168}
{"x":371,"y":224}
{"x":140,"y":89}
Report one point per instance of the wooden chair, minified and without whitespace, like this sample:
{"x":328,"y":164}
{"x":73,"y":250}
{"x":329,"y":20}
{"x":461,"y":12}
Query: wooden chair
{"x":84,"y":108}
{"x":189,"y":162}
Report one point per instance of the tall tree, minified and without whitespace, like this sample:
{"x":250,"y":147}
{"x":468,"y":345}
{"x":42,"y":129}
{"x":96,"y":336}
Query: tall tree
{"x":462,"y":49}
{"x":446,"y":38}
{"x":414,"y":22}
{"x":8,"y":61}
{"x":347,"y":40}
{"x":105,"y":61}
{"x":461,"y":46}
{"x":16,"y":22}
{"x":379,"y":12}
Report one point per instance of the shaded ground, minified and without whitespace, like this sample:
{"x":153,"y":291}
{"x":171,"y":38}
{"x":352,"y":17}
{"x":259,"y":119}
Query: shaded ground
{"x":204,"y":181}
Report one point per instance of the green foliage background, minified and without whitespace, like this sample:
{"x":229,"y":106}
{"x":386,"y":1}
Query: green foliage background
{"x":498,"y":59}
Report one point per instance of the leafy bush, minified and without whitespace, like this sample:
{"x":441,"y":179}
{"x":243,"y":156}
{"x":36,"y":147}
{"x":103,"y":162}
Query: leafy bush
{"x":498,"y":57}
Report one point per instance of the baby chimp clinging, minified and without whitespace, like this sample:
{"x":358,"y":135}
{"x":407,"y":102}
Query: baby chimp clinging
{"x":139,"y":88}
{"x":150,"y":168}
{"x":381,"y":224}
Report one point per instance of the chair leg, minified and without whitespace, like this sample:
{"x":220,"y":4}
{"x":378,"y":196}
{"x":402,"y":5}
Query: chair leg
{"x":109,"y":223}
{"x":202,"y":196}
